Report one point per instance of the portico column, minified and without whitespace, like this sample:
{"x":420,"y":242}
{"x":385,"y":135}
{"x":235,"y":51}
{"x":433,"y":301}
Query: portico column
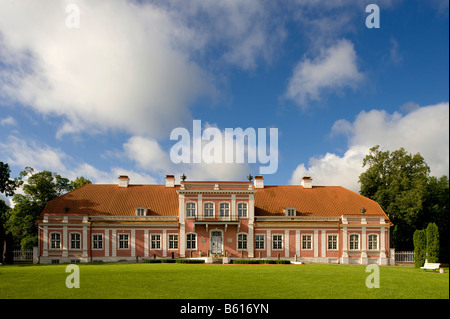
{"x":344,"y":245}
{"x":182,"y":225}
{"x":364,"y":260}
{"x":250,"y":240}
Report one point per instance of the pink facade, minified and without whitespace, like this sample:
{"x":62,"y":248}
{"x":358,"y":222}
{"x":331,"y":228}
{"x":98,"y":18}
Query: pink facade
{"x":215,"y":219}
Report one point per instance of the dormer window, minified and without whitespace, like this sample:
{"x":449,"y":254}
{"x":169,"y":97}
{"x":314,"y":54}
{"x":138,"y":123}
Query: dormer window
{"x":141,"y":211}
{"x":290,"y":211}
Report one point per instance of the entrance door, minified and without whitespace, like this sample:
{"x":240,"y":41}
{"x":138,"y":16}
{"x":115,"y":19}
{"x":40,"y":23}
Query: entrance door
{"x":216,"y":242}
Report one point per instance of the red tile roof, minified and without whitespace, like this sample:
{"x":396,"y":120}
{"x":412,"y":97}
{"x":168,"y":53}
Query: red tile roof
{"x":111,"y":200}
{"x":316,"y":201}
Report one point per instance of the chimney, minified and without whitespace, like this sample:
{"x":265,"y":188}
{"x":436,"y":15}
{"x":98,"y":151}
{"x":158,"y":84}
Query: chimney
{"x":170,"y":181}
{"x":259,"y":181}
{"x":123,"y":181}
{"x":306,"y":182}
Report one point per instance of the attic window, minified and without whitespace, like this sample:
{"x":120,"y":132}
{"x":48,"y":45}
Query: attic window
{"x":141,"y":211}
{"x":290,"y":211}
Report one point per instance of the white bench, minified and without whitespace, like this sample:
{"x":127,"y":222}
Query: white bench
{"x":431,"y":266}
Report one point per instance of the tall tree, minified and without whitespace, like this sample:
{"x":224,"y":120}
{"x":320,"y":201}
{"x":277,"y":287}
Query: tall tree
{"x":7,"y":185}
{"x":398,"y":182}
{"x":436,"y":209}
{"x":432,"y":234}
{"x":3,"y":217}
{"x":39,"y":189}
{"x":78,"y":182}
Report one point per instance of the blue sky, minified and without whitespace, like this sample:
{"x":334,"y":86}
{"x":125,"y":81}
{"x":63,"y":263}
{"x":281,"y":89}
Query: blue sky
{"x":101,"y":100}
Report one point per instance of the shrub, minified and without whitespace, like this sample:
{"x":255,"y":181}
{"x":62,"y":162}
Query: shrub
{"x":260,"y":261}
{"x":420,"y":246}
{"x":432,"y":234}
{"x":173,"y":261}
{"x":190,"y":261}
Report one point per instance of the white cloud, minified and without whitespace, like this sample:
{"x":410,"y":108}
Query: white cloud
{"x":334,"y":69}
{"x":119,"y":70}
{"x":8,"y":121}
{"x":21,"y":153}
{"x":424,"y":130}
{"x":245,"y":32}
{"x":147,"y":153}
{"x":132,"y":66}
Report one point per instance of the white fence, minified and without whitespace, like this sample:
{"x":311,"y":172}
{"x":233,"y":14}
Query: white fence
{"x":23,"y":255}
{"x":404,"y":256}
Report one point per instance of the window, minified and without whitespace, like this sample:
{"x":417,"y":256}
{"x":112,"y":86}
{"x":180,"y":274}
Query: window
{"x":373,"y":242}
{"x":224,"y":209}
{"x":354,"y":241}
{"x":173,"y":241}
{"x":123,"y":241}
{"x":75,"y":241}
{"x":191,"y":241}
{"x":332,"y":242}
{"x":307,"y":242}
{"x":242,"y":209}
{"x":259,"y":242}
{"x":277,"y":242}
{"x":155,"y":241}
{"x":55,"y":240}
{"x":208,"y":209}
{"x":140,"y":211}
{"x":290,"y":211}
{"x":97,"y":241}
{"x":190,"y":209}
{"x":242,"y":242}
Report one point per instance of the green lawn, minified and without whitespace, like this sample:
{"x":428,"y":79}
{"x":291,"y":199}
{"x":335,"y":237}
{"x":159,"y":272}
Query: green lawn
{"x":187,"y":281}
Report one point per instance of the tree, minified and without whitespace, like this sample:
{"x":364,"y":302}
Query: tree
{"x":3,"y":217}
{"x":432,"y":243}
{"x":39,"y":189}
{"x":7,"y":185}
{"x":420,"y":247}
{"x":436,"y":209}
{"x":398,"y":182}
{"x":78,"y":182}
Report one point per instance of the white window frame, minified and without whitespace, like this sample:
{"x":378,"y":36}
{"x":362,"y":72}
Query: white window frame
{"x":279,"y":241}
{"x":205,"y":210}
{"x":155,"y":242}
{"x":242,"y":240}
{"x":191,"y":241}
{"x":97,"y":241}
{"x":190,"y":210}
{"x":369,"y":242}
{"x":53,"y":241}
{"x":242,"y":209}
{"x":332,"y":242}
{"x":173,"y":241}
{"x":290,"y":211}
{"x":223,"y":216}
{"x":259,"y":241}
{"x":307,"y":241}
{"x":123,"y":241}
{"x":74,"y":242}
{"x":141,"y":211}
{"x":351,"y":243}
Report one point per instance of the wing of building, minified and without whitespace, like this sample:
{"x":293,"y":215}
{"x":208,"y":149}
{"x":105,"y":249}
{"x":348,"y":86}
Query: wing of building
{"x":194,"y":219}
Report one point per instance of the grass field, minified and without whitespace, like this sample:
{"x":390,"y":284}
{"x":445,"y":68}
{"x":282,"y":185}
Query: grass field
{"x":190,"y":281}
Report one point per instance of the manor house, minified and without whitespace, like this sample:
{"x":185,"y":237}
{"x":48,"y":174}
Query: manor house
{"x":207,"y":219}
